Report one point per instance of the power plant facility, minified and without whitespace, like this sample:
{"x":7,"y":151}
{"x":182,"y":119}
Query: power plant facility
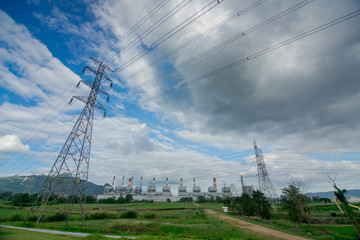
{"x":112,"y":191}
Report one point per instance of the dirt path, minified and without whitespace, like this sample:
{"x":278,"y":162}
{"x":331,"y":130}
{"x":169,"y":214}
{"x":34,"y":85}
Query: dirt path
{"x":255,"y":228}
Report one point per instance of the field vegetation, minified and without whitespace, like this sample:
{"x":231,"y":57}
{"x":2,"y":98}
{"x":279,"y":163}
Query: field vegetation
{"x":148,"y":220}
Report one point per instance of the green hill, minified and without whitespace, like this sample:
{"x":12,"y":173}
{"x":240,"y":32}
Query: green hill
{"x":33,"y":184}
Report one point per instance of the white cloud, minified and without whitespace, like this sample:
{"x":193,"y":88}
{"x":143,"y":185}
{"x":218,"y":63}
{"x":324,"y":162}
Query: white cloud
{"x":301,"y":98}
{"x":12,"y":144}
{"x":27,"y":68}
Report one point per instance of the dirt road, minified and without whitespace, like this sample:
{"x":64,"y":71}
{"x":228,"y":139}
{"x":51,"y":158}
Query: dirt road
{"x":255,"y":228}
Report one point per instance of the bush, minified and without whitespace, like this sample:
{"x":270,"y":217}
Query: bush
{"x":262,"y":205}
{"x":128,"y":198}
{"x":129,"y":214}
{"x":16,"y":217}
{"x":90,"y":199}
{"x":57,"y":217}
{"x":32,"y":219}
{"x":30,"y":224}
{"x":121,"y":199}
{"x":149,"y":215}
{"x":201,"y":199}
{"x":107,"y":200}
{"x":5,"y":195}
{"x":100,"y":215}
{"x":295,"y":204}
{"x":186,"y":199}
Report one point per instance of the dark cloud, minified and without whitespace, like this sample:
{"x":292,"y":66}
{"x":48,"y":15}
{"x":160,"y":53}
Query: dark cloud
{"x":296,"y":90}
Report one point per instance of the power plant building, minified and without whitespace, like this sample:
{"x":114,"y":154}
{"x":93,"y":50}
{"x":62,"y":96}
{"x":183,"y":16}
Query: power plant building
{"x":165,"y":194}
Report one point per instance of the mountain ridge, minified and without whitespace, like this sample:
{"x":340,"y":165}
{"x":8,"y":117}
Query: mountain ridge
{"x":33,"y":184}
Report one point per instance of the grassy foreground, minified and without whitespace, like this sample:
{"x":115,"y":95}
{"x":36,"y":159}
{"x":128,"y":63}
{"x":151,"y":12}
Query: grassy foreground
{"x":146,"y":221}
{"x":169,"y":221}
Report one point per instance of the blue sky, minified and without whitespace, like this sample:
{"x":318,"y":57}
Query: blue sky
{"x":300,"y":102}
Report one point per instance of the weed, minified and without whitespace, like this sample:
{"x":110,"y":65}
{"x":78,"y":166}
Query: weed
{"x":149,"y":215}
{"x":32,"y":219}
{"x":16,"y":217}
{"x":30,"y":224}
{"x":129,"y":214}
{"x":95,"y":237}
{"x":101,"y":215}
{"x":57,"y":217}
{"x":340,"y":237}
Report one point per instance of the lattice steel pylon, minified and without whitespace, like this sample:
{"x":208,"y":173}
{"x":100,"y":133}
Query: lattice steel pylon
{"x":265,"y":185}
{"x":69,"y":174}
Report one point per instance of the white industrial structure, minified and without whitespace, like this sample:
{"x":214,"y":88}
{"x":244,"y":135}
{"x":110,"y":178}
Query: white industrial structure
{"x":165,"y":194}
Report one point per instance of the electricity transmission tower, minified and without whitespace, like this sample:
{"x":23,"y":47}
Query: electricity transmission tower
{"x":27,"y":183}
{"x":265,"y":185}
{"x":69,"y":174}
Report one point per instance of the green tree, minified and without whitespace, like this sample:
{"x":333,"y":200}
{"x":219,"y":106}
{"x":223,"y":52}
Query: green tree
{"x":201,"y":199}
{"x":243,"y":205}
{"x":128,"y":198}
{"x":340,"y":195}
{"x":261,"y":204}
{"x":5,"y":195}
{"x":90,"y":199}
{"x":121,"y":199}
{"x":21,"y":199}
{"x":247,"y":205}
{"x":295,"y":204}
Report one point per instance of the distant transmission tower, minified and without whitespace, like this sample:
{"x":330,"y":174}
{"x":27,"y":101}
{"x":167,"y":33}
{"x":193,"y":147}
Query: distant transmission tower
{"x":69,"y":174}
{"x":265,"y":185}
{"x":26,"y":183}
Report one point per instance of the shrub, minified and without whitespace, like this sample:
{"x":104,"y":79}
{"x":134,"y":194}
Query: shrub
{"x":129,"y":214}
{"x":186,"y":199}
{"x":16,"y":217}
{"x":295,"y":204}
{"x":121,"y":199}
{"x":128,"y":198}
{"x":30,"y":224}
{"x":57,"y":217}
{"x":99,"y":215}
{"x":32,"y":219}
{"x":149,"y":215}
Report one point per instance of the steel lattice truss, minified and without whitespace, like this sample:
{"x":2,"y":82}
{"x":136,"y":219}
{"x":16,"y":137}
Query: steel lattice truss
{"x":69,"y":174}
{"x":265,"y":185}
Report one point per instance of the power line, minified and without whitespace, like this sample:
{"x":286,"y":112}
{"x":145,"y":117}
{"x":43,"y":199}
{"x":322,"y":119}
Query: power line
{"x":257,"y":54}
{"x":135,"y":27}
{"x":217,"y":26}
{"x":169,"y":34}
{"x":226,"y":42}
{"x":163,"y":19}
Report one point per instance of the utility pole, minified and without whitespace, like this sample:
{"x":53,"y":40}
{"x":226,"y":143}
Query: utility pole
{"x":265,"y":185}
{"x":242,"y":184}
{"x":69,"y":174}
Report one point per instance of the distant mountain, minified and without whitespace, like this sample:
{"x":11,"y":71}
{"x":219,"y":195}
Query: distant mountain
{"x":19,"y":184}
{"x":330,"y":194}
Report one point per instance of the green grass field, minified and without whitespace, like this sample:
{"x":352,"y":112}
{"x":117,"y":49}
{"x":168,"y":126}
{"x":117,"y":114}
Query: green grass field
{"x":173,"y":220}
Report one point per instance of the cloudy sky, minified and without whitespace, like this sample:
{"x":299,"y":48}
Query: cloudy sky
{"x":195,"y":83}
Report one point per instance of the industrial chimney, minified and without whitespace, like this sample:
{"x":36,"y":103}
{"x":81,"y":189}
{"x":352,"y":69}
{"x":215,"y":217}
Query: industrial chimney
{"x":182,"y":189}
{"x":166,"y":188}
{"x":196,"y":189}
